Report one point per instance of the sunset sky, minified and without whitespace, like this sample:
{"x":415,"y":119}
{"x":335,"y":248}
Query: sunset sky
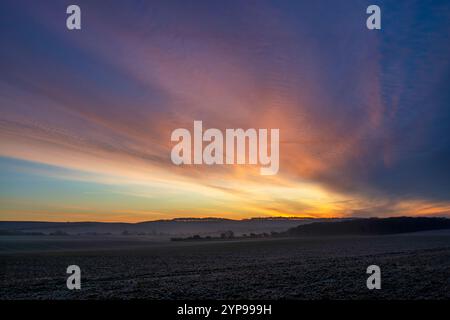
{"x":86,"y":116}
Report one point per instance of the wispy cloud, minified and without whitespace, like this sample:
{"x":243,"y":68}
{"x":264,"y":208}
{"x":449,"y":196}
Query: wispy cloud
{"x":363,"y":116}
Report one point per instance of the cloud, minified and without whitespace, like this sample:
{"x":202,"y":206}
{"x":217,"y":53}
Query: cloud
{"x":363,"y":116}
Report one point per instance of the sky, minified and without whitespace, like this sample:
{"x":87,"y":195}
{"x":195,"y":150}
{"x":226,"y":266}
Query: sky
{"x":86,"y":115}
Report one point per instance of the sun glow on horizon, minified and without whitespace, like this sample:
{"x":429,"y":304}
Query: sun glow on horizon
{"x":86,"y":117}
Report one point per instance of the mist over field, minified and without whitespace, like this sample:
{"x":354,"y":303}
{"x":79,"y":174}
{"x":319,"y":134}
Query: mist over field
{"x":414,"y":265}
{"x":159,"y":228}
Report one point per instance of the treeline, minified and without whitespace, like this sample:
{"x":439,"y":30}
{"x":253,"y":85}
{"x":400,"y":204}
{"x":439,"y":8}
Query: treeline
{"x":371,"y":226}
{"x":360,"y":227}
{"x":228,"y":235}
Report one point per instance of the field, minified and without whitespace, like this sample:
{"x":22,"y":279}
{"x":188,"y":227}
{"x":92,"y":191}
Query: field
{"x":413,"y":266}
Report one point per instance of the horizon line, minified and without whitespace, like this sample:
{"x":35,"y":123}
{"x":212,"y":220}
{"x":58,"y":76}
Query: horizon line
{"x":228,"y":219}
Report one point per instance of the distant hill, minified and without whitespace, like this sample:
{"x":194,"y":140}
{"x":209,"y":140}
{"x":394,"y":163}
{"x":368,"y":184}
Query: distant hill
{"x":174,"y":227}
{"x":370,"y":226}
